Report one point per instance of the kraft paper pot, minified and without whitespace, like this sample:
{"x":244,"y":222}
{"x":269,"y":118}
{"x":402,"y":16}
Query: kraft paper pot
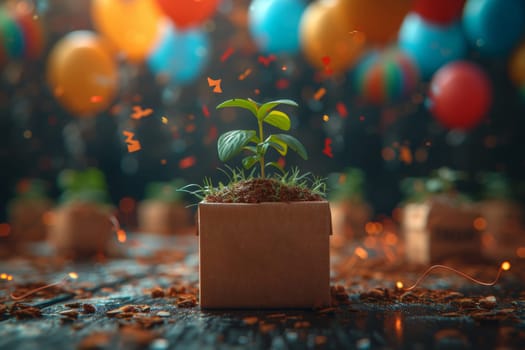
{"x":264,"y":255}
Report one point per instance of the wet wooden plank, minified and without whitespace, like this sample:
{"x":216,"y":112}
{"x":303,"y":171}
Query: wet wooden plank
{"x":365,"y":322}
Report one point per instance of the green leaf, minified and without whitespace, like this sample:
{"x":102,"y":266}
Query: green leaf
{"x":252,"y":149}
{"x":275,"y":165}
{"x":268,"y":106}
{"x":278,"y":119}
{"x":241,"y":103}
{"x":232,"y":142}
{"x":278,"y":144}
{"x":294,"y":144}
{"x":250,"y":161}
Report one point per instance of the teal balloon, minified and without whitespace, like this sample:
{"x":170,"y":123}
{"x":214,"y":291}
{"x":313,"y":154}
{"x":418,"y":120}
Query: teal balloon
{"x":180,"y":56}
{"x":494,"y":27}
{"x":429,"y":45}
{"x":274,"y":25}
{"x":11,"y":36}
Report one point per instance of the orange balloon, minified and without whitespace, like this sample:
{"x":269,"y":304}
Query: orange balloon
{"x":378,"y":20}
{"x":327,"y":39}
{"x":133,"y":26}
{"x":82,"y":73}
{"x":517,"y":65}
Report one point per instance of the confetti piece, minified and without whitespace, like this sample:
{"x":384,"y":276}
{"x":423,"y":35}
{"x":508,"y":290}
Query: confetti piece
{"x":282,"y":84}
{"x":326,"y":63}
{"x":243,"y":76}
{"x":326,"y":118}
{"x":328,"y":147}
{"x":139,"y":113}
{"x":212,"y":135}
{"x":133,"y":145}
{"x":284,"y":68}
{"x":190,"y":128}
{"x":319,"y":94}
{"x":95,"y":99}
{"x":227,"y":53}
{"x":164,"y":120}
{"x":257,"y":91}
{"x":405,"y":155}
{"x":215,"y":84}
{"x":73,"y":275}
{"x":341,"y":109}
{"x":362,"y":118}
{"x":266,"y":60}
{"x":163,"y":161}
{"x":205,"y":111}
{"x":282,"y":162}
{"x":187,"y":162}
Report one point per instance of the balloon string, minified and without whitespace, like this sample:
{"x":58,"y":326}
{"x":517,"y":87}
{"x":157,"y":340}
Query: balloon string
{"x":503,"y":267}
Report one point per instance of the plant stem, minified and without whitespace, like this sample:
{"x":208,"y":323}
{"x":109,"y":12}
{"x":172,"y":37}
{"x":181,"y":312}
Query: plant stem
{"x":261,"y":159}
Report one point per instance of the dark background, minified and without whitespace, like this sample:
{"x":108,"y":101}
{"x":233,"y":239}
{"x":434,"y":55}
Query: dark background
{"x":59,"y":140}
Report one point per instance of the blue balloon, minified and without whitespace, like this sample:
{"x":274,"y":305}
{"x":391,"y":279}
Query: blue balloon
{"x":274,"y":24}
{"x":429,"y":45}
{"x":180,"y":56}
{"x":494,"y":27}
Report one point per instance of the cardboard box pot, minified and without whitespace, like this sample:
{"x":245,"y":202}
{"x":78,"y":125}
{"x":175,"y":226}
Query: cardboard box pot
{"x":264,"y":255}
{"x":81,"y":230}
{"x":162,"y":217}
{"x":438,"y":229}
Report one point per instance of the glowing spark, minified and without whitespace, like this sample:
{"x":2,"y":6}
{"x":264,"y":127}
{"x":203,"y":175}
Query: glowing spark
{"x":95,"y":99}
{"x":73,"y":275}
{"x":133,"y":145}
{"x":215,"y":84}
{"x":121,"y":236}
{"x":326,"y":118}
{"x":284,"y":68}
{"x":3,"y":276}
{"x":361,"y":253}
{"x":480,"y":224}
{"x":399,"y":285}
{"x":164,"y":120}
{"x":505,"y":266}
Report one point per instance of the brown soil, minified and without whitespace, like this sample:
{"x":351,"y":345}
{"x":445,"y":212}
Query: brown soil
{"x":262,"y":190}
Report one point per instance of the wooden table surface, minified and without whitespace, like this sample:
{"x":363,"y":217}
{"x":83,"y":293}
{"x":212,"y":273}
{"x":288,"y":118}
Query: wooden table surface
{"x":146,"y":298}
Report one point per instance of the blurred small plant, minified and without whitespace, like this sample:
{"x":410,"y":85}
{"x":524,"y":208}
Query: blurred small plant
{"x":494,"y":186}
{"x":85,"y":186}
{"x":347,"y":185}
{"x":165,"y":191}
{"x":32,"y":189}
{"x":441,"y":181}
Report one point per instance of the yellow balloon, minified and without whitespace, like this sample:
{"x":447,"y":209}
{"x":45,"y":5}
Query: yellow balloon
{"x":517,"y":65}
{"x":327,"y":39}
{"x":82,"y":73}
{"x":133,"y":26}
{"x":378,"y":20}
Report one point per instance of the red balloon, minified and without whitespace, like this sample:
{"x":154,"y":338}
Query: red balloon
{"x":460,"y":95}
{"x":439,"y":11}
{"x":188,"y":13}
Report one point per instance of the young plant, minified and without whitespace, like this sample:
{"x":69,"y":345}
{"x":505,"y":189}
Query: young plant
{"x":256,"y":142}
